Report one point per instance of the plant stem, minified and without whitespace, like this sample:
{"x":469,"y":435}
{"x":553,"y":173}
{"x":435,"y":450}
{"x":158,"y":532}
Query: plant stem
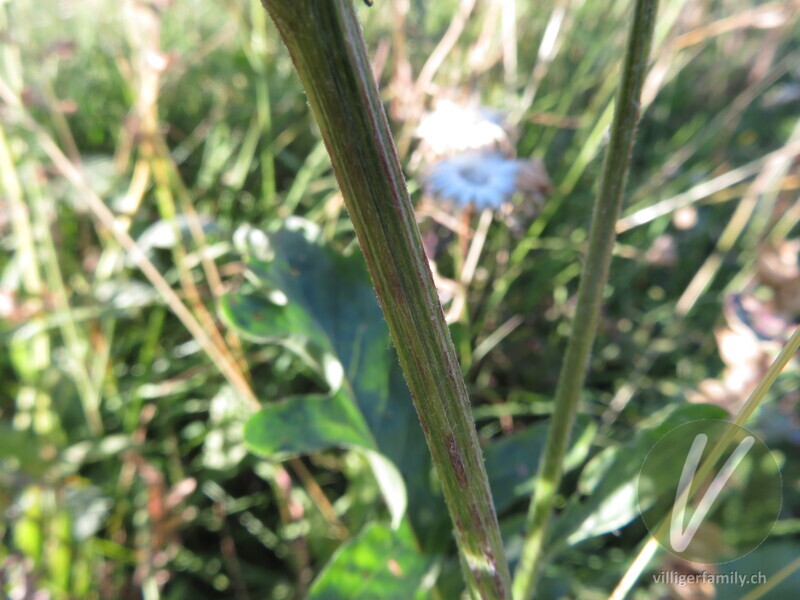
{"x":594,"y":277}
{"x":325,"y":42}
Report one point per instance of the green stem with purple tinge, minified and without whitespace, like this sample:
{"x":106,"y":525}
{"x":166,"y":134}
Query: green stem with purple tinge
{"x":594,"y":277}
{"x":326,"y":45}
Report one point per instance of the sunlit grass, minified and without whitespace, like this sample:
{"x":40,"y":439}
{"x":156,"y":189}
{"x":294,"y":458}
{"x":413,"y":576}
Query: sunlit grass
{"x":192,"y":109}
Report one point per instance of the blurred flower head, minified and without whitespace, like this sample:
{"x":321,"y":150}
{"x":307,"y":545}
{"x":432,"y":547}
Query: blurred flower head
{"x":452,"y":129}
{"x":483,"y":180}
{"x":467,"y":159}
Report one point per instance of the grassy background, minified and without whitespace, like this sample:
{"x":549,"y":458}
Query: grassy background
{"x":123,"y":472}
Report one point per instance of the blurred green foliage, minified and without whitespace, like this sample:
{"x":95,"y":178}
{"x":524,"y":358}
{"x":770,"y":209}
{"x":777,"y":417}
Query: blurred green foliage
{"x":126,"y":469}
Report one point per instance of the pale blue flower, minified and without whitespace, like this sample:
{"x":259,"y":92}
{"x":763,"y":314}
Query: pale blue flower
{"x":482,"y":179}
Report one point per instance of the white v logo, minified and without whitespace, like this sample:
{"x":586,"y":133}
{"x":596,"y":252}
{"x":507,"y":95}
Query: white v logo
{"x":678,"y":538}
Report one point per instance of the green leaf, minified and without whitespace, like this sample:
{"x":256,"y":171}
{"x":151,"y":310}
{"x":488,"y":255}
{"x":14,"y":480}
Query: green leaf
{"x":305,"y":424}
{"x":391,"y":484}
{"x":610,"y":479}
{"x":379,"y":564}
{"x":321,"y":306}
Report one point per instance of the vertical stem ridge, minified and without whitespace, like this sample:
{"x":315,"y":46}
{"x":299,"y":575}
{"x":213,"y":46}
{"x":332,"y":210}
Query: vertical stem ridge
{"x":325,"y":42}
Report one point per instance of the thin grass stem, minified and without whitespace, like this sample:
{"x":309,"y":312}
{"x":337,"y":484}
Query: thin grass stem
{"x":773,"y":581}
{"x":650,"y":547}
{"x":594,"y":277}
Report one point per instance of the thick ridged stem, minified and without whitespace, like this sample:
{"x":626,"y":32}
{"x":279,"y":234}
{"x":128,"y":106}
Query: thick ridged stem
{"x":325,"y":42}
